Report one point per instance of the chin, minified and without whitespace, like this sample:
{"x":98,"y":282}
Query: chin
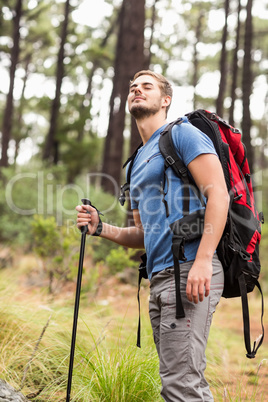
{"x":140,"y":112}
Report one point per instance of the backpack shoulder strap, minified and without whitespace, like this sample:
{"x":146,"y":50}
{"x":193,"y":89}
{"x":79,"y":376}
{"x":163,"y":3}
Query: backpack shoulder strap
{"x":125,"y":187}
{"x":169,"y":153}
{"x":172,"y":159}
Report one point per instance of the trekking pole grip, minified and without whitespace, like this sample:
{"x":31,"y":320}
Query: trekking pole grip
{"x":85,"y":201}
{"x":84,"y":229}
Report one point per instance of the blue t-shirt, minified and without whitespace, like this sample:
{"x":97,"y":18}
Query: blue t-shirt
{"x":145,"y":192}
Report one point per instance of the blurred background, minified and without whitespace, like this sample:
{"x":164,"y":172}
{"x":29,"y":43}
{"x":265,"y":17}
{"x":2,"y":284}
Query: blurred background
{"x":65,"y":131}
{"x":65,"y":68}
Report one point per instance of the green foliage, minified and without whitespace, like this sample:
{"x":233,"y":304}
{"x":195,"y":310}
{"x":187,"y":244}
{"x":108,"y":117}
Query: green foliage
{"x":25,"y":192}
{"x":120,"y":258}
{"x":37,"y":203}
{"x":17,"y":197}
{"x":45,"y":236}
{"x":78,"y":155}
{"x":36,"y":190}
{"x":56,"y":247}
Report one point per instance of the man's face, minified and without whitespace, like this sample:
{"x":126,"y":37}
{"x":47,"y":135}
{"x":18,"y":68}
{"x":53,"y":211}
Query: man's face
{"x":144,"y":98}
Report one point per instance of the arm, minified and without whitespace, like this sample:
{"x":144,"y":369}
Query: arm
{"x":128,"y":237}
{"x":208,"y":175}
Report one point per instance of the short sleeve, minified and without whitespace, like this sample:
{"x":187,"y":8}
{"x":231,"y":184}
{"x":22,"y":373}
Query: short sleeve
{"x":190,"y":142}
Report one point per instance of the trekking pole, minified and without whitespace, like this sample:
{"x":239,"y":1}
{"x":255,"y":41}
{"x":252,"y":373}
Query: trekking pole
{"x":76,"y":305}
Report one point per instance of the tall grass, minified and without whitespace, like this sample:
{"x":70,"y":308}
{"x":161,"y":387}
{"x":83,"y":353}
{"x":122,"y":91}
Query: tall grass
{"x":108,"y":366}
{"x":118,"y":375}
{"x":22,"y":364}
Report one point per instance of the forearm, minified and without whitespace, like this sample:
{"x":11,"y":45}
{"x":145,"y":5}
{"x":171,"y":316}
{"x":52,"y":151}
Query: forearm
{"x":128,"y":237}
{"x":132,"y":237}
{"x":215,"y":220}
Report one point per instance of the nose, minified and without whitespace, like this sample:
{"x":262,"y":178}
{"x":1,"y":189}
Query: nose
{"x":137,"y":89}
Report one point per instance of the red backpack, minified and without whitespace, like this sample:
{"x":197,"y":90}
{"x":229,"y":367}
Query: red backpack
{"x":238,"y":249}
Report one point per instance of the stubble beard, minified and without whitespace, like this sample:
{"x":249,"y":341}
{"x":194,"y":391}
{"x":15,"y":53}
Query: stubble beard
{"x":140,"y":112}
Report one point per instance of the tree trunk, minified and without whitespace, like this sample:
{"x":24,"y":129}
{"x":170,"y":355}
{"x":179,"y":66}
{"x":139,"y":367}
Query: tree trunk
{"x":147,"y":50}
{"x":223,"y":64}
{"x":83,"y":110}
{"x":8,"y":112}
{"x":50,"y":281}
{"x":145,"y":58}
{"x":20,"y":133}
{"x":129,"y":58}
{"x":247,"y":85}
{"x":51,"y":151}
{"x":235,"y":67}
{"x":198,"y":33}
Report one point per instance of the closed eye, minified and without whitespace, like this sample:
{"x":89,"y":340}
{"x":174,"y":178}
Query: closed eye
{"x":145,"y":85}
{"x":148,"y":86}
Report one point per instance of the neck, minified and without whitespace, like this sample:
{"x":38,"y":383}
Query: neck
{"x":149,"y":125}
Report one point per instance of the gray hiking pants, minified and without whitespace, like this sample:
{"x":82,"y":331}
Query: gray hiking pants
{"x":181,"y":343}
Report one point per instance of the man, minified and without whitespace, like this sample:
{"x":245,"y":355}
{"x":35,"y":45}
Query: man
{"x":180,"y":343}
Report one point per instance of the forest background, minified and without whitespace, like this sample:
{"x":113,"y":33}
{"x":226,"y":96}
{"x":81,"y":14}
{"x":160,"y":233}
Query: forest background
{"x":65,"y":130}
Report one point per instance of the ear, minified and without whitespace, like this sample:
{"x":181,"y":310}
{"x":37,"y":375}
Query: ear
{"x":166,"y":100}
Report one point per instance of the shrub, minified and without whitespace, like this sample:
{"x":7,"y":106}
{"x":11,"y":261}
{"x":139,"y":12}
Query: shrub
{"x":57,"y":248}
{"x":120,"y":258}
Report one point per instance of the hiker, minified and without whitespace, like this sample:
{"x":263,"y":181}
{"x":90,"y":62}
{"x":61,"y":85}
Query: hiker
{"x":180,"y":343}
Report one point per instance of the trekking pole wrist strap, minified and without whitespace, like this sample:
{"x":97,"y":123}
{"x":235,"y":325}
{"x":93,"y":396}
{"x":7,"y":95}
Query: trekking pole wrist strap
{"x":99,"y":228}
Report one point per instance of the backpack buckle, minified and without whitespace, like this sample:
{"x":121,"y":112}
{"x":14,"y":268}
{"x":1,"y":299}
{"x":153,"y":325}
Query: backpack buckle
{"x":183,"y":171}
{"x":170,"y":160}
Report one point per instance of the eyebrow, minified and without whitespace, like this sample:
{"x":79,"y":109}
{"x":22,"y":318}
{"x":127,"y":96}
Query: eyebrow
{"x":143,"y":83}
